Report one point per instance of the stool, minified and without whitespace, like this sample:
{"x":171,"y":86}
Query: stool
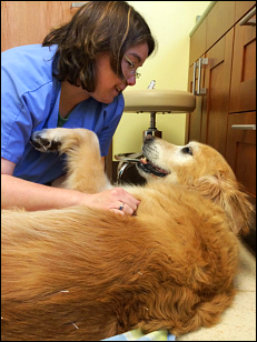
{"x":156,"y":100}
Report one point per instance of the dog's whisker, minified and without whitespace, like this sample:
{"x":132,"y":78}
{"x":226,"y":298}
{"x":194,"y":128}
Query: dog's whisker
{"x":75,"y":325}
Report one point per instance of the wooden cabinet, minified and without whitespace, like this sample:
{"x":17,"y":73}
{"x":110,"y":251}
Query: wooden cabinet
{"x":241,"y":139}
{"x":217,"y":82}
{"x":208,"y":122}
{"x":241,"y":148}
{"x":225,"y":115}
{"x":243,"y":82}
{"x":198,"y":43}
{"x":243,"y":7}
{"x":220,"y":19}
{"x":195,"y":121}
{"x":28,"y":22}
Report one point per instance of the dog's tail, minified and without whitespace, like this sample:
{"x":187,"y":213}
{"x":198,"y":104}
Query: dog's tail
{"x":207,"y":313}
{"x":187,"y":313}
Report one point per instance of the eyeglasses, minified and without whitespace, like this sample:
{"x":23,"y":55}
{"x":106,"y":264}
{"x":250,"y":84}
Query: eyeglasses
{"x":129,"y":69}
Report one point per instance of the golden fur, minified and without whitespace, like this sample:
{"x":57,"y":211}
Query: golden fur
{"x":84,"y":274}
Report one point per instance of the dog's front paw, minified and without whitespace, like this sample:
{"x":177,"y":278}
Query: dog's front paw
{"x":45,"y":141}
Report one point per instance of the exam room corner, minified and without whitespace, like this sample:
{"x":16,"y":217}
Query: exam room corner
{"x":199,"y":85}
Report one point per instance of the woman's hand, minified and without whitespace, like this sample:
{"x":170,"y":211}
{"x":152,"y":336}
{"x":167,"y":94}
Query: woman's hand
{"x":117,"y":200}
{"x":18,"y":193}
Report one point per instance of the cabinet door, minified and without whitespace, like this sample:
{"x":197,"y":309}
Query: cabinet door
{"x":241,"y":149}
{"x":243,"y":84}
{"x":198,"y":42}
{"x":220,"y":19}
{"x":217,"y":82}
{"x":28,"y":22}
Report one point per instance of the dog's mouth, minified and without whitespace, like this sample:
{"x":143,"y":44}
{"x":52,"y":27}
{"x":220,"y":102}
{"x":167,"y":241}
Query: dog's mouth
{"x":143,"y":163}
{"x":148,"y":167}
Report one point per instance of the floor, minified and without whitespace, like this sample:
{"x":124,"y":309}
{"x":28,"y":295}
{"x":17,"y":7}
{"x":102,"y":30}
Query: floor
{"x":239,"y":321}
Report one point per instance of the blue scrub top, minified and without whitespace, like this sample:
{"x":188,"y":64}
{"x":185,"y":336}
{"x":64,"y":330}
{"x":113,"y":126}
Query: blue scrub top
{"x":30,"y":102}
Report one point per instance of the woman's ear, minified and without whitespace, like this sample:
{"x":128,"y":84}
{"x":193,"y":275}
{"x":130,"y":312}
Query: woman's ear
{"x":233,"y":201}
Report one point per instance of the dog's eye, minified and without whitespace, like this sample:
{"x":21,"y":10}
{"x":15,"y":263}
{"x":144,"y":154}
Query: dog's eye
{"x":187,"y":150}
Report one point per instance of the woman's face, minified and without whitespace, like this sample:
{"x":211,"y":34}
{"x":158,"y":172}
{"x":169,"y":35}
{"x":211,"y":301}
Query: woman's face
{"x":108,"y":84}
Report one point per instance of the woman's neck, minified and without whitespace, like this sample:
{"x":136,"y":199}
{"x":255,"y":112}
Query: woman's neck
{"x":70,"y":97}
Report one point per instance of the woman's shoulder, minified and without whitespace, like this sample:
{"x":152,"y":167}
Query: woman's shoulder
{"x":30,"y":63}
{"x":29,"y":51}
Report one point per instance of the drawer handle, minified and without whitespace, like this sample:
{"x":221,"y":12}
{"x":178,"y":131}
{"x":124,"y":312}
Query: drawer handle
{"x":202,"y":61}
{"x":198,"y":65}
{"x":194,"y":77}
{"x":251,"y":127}
{"x":246,"y":19}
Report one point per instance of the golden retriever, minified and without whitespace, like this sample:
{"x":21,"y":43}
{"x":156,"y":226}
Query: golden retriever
{"x":84,"y":274}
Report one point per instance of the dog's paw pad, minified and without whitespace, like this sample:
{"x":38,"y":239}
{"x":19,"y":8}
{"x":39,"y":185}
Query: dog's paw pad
{"x":43,"y":144}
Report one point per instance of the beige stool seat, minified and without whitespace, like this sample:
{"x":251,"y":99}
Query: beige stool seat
{"x":157,"y":100}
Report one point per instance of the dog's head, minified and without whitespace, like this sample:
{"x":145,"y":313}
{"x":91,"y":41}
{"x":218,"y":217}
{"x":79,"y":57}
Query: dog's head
{"x":201,"y":168}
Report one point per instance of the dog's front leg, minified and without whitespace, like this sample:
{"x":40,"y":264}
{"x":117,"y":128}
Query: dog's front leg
{"x":85,"y":168}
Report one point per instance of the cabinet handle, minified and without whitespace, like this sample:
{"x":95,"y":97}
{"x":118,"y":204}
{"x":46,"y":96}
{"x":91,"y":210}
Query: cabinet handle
{"x":250,"y":127}
{"x":246,"y":19}
{"x":77,"y":4}
{"x":194,"y":77}
{"x":201,"y":61}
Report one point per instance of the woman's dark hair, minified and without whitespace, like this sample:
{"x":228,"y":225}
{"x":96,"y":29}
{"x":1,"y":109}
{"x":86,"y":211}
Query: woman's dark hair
{"x":98,"y":26}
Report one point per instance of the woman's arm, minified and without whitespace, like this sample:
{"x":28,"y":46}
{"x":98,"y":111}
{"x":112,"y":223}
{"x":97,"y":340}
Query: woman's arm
{"x":19,"y":193}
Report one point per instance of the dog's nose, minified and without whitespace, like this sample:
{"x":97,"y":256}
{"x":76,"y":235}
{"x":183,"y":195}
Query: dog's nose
{"x":148,"y":138}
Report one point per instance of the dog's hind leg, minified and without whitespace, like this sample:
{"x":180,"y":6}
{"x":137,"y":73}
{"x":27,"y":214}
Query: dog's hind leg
{"x":85,"y":168}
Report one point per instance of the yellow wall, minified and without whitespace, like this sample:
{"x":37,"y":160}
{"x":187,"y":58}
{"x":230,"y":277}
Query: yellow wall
{"x":170,"y":23}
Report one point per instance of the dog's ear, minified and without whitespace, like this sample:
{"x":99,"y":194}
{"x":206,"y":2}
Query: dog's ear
{"x":228,"y":195}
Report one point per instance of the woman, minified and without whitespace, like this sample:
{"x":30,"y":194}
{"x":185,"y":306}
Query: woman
{"x":74,"y":79}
